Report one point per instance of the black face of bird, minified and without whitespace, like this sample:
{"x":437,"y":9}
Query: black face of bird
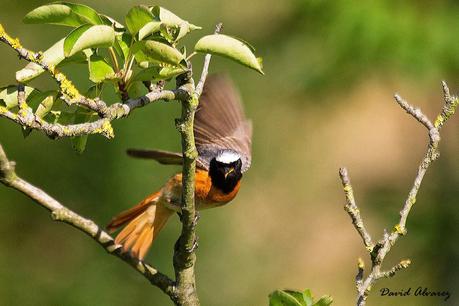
{"x":225,"y":174}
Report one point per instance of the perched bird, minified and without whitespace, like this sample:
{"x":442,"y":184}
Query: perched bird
{"x":223,"y":140}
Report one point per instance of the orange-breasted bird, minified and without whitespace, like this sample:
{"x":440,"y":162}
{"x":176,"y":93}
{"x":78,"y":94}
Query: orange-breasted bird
{"x":223,"y":140}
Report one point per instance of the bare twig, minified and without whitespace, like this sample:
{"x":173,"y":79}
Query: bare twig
{"x":353,"y":210}
{"x":205,"y":68}
{"x":415,"y":112}
{"x":61,"y":213}
{"x":379,"y":251}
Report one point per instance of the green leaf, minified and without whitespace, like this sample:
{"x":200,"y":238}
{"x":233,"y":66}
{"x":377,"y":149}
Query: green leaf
{"x":45,"y":106}
{"x":231,"y":48}
{"x":137,"y":18}
{"x":42,"y":102}
{"x":297,"y":295}
{"x":107,"y":20}
{"x":284,"y":298}
{"x":157,"y":51}
{"x":122,"y":44}
{"x":155,"y":74}
{"x":169,"y":33}
{"x":149,"y":28}
{"x":88,"y":36}
{"x":51,"y":57}
{"x":325,"y":300}
{"x":9,"y":95}
{"x":307,"y":297}
{"x":86,"y":13}
{"x":171,"y":20}
{"x":99,"y":69}
{"x":59,"y":14}
{"x":79,"y":142}
{"x":136,"y":90}
{"x":144,"y":61}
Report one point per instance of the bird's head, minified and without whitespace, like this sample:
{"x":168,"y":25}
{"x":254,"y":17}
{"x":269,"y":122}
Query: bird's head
{"x":225,"y":170}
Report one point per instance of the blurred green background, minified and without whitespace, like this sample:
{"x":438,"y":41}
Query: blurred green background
{"x":326,"y":101}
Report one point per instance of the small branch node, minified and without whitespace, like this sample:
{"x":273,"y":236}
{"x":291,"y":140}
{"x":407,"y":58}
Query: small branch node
{"x":390,"y":273}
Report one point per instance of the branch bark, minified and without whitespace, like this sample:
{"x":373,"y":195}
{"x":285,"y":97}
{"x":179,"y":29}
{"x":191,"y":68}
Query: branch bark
{"x":379,"y":251}
{"x":61,"y":213}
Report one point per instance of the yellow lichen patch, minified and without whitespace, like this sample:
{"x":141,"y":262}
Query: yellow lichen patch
{"x":22,"y":112}
{"x":106,"y":129}
{"x":439,"y":121}
{"x":15,"y":43}
{"x":399,"y":229}
{"x":67,"y":88}
{"x":405,"y":263}
{"x":360,"y":263}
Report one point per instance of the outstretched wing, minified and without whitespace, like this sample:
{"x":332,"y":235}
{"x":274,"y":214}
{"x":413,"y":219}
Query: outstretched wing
{"x":162,"y":157}
{"x":220,"y":123}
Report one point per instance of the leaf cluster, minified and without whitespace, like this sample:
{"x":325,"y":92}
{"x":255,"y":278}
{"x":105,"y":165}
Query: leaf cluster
{"x":126,"y":57}
{"x":297,"y":298}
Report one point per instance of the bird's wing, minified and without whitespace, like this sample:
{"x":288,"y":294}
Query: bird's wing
{"x":162,"y":157}
{"x":220,"y":123}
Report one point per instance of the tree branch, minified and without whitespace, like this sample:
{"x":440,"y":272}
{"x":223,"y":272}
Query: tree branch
{"x":26,"y":118}
{"x":184,"y":255}
{"x":379,"y":251}
{"x":61,"y":213}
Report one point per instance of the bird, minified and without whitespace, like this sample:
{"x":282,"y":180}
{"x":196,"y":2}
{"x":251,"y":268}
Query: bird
{"x":223,"y":139}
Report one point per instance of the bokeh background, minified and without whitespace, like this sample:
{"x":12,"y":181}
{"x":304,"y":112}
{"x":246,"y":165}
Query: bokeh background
{"x":332,"y":68}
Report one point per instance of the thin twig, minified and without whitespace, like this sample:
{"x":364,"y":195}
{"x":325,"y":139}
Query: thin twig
{"x":383,"y":247}
{"x":353,"y":211}
{"x":61,"y":213}
{"x":205,"y":68}
{"x":415,"y":112}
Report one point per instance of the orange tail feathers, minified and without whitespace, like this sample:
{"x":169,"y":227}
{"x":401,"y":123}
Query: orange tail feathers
{"x":145,"y":222}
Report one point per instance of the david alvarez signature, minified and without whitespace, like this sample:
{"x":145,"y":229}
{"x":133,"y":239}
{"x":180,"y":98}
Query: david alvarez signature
{"x":419,"y":291}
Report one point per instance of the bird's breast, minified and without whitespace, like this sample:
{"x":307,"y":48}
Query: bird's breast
{"x":206,"y":195}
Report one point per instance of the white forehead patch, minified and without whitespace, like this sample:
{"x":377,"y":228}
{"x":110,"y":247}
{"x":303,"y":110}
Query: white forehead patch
{"x":227,"y":157}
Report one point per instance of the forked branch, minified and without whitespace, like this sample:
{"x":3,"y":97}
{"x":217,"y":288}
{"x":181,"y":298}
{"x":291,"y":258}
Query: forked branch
{"x":379,"y":250}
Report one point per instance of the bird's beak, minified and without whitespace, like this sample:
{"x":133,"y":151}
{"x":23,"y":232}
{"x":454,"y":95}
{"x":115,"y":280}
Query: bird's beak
{"x":229,"y":171}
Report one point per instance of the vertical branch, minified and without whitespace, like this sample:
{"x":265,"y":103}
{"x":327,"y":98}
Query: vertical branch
{"x":184,"y":256}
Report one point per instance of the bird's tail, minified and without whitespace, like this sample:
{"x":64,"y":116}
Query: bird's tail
{"x":144,"y":222}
